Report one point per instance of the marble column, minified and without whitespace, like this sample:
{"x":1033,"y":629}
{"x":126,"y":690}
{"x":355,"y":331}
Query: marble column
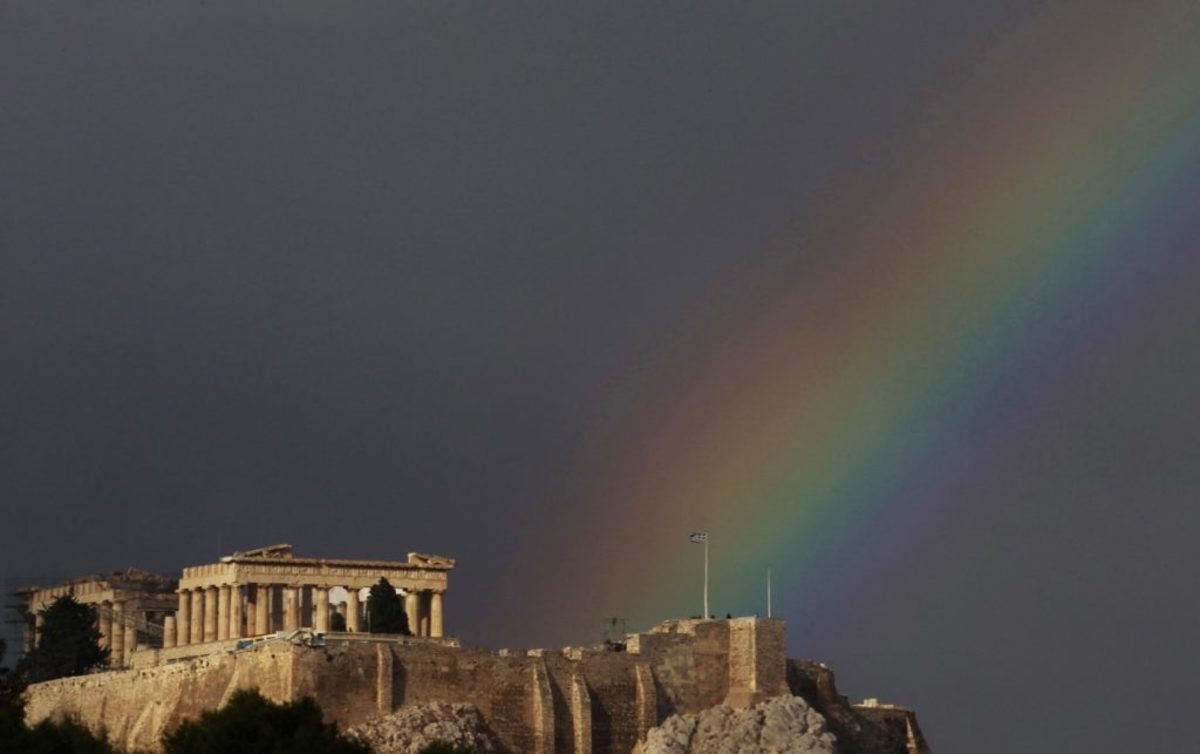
{"x":210,"y":613}
{"x":291,"y":608}
{"x":436,"y":614}
{"x":183,"y":618}
{"x":223,"y":612}
{"x":196,"y":632}
{"x":116,"y":650}
{"x":423,"y":605}
{"x":235,"y":612}
{"x":104,"y":618}
{"x":321,"y":608}
{"x":130,"y":639}
{"x":352,"y":610}
{"x":169,"y":632}
{"x":39,"y":620}
{"x":250,"y":608}
{"x":412,"y":609}
{"x":262,"y":609}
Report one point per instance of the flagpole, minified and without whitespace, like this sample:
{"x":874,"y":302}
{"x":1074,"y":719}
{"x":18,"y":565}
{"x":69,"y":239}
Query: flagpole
{"x":706,"y":577}
{"x":768,"y":591}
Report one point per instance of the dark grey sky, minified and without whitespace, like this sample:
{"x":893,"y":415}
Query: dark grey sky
{"x":362,"y":276}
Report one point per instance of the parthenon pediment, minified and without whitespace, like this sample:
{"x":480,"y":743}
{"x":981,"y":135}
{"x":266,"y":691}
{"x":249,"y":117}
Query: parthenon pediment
{"x":273,"y":551}
{"x":422,"y":559}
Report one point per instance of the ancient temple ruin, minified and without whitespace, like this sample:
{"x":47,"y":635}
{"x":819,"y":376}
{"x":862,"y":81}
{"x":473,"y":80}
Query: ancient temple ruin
{"x":266,"y":590}
{"x":131,"y":608}
{"x":247,"y":594}
{"x":182,"y":647}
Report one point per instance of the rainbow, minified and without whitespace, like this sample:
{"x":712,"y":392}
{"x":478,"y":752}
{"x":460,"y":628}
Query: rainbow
{"x":815,"y":418}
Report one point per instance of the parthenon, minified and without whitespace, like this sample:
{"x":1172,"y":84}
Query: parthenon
{"x":269,"y":589}
{"x":247,"y":594}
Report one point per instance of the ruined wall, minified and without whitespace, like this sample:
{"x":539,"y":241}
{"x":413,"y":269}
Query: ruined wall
{"x":574,"y":700}
{"x":879,"y":729}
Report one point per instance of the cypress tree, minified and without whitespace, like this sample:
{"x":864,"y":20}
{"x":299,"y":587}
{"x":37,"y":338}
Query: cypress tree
{"x":68,"y":644}
{"x":385,"y":611}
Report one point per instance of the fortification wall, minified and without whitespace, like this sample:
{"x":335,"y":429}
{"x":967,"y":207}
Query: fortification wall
{"x":136,"y":706}
{"x":574,"y":700}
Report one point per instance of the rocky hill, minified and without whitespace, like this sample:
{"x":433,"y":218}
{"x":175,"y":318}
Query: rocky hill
{"x":601,"y":699}
{"x":410,"y":729}
{"x":783,"y":725}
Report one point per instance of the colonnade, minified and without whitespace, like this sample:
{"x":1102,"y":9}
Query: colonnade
{"x":234,"y":611}
{"x":122,"y":624}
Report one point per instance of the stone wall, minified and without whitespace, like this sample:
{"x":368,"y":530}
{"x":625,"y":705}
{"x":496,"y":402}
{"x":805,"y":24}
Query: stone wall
{"x":875,"y":728}
{"x":582,"y":700}
{"x":136,"y":706}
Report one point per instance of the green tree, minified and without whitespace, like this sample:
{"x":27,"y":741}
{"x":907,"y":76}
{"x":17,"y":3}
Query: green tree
{"x":12,"y":711}
{"x":64,"y":737}
{"x":385,"y":611}
{"x":337,"y":622}
{"x":68,"y":644}
{"x":60,"y":737}
{"x":251,"y":724}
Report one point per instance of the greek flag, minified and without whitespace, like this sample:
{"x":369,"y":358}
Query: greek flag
{"x":699,"y":537}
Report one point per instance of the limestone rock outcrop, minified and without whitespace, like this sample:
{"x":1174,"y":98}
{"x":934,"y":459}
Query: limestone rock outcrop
{"x":884,"y":729}
{"x":782,"y":725}
{"x":412,"y":728}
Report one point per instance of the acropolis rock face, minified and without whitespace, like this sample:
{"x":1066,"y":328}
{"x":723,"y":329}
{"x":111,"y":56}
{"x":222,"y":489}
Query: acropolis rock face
{"x":264,"y":619}
{"x":580,"y":700}
{"x":413,"y":727}
{"x":783,"y":725}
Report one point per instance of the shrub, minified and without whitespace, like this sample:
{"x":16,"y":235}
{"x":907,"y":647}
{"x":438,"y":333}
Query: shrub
{"x":251,"y":724}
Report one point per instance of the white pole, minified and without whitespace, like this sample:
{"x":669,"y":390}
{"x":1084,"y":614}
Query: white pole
{"x":768,"y":591}
{"x":706,"y":577}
